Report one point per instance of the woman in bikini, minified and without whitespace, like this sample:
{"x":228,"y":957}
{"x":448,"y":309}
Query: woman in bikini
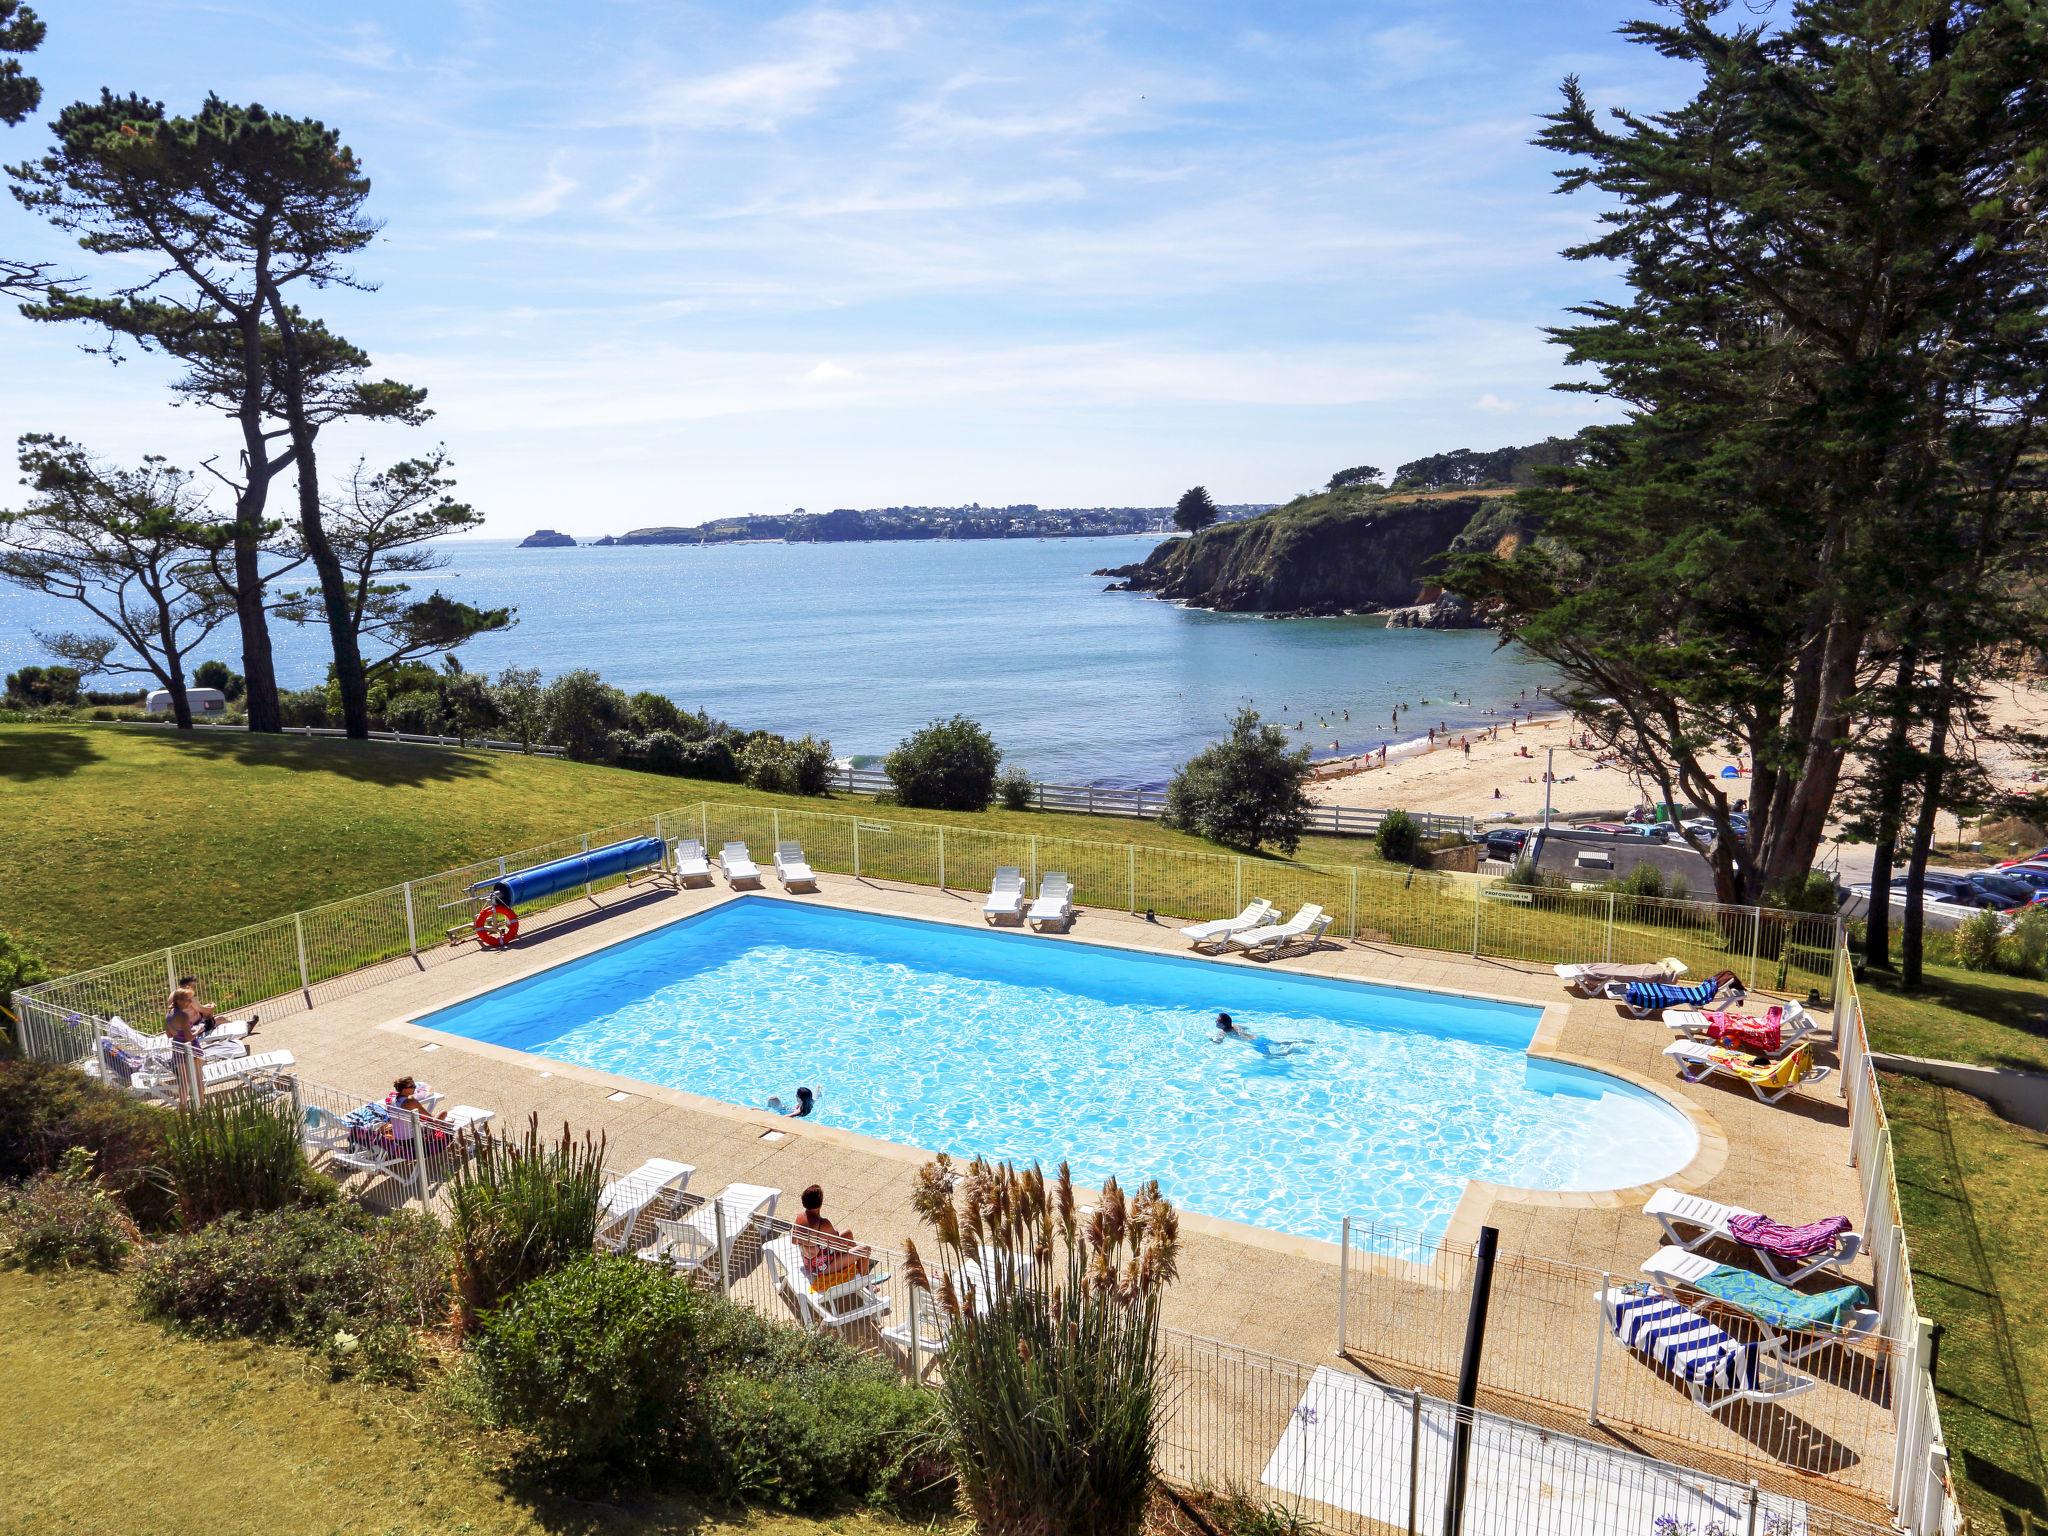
{"x":827,"y":1264}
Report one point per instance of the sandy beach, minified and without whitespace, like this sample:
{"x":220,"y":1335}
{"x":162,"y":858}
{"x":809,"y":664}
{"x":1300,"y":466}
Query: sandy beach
{"x":1502,"y":776}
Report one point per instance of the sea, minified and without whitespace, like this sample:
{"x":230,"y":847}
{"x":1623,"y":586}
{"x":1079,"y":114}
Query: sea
{"x":863,"y":643}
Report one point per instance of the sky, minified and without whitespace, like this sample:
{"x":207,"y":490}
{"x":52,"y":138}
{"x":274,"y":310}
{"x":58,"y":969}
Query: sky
{"x":660,"y":262}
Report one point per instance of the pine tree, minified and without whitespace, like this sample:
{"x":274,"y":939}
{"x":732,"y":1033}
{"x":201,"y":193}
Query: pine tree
{"x":1194,"y":511}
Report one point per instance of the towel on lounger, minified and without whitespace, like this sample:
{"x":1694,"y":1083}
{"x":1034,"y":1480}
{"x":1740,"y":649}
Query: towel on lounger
{"x":1779,"y":1306}
{"x":1800,"y":1243}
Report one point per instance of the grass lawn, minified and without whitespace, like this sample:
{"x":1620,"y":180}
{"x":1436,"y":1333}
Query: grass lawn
{"x":115,"y":1426}
{"x":122,"y":840}
{"x":1971,"y":1186}
{"x":1959,"y":1015}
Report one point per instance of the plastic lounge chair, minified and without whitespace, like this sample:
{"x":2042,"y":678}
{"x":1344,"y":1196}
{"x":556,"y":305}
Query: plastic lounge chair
{"x":1005,"y":895}
{"x":623,"y":1201}
{"x":1838,"y":1316}
{"x":791,"y":869}
{"x":1716,"y":1369}
{"x":1591,"y":980}
{"x":1749,"y":1032}
{"x":1699,"y":1062}
{"x":1212,"y":935}
{"x":738,"y":865}
{"x":1055,"y":904}
{"x":692,"y":1243}
{"x":225,"y":1041}
{"x":934,"y":1327}
{"x":1643,"y":998}
{"x":691,"y":865}
{"x":837,"y":1306}
{"x":1709,"y":1220}
{"x":364,"y":1140}
{"x":1265,"y":943}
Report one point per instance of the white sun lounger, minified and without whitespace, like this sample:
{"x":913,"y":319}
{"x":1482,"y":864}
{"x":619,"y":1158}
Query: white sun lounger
{"x":216,"y":1074}
{"x":1005,"y":895}
{"x":691,"y":865}
{"x":934,"y":1328}
{"x":1698,"y":1062}
{"x":1589,"y":980}
{"x":1676,"y":1269}
{"x":223,"y":1043}
{"x":738,"y":865}
{"x":1715,"y":1368}
{"x":1211,"y":935}
{"x":791,"y":869}
{"x":624,"y":1200}
{"x":1264,"y":943}
{"x":1794,"y":1025}
{"x":693,"y":1242}
{"x":850,"y":1301}
{"x":1055,"y":904}
{"x":1708,"y":1220}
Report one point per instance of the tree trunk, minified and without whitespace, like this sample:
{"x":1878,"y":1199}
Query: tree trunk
{"x":1913,"y":928}
{"x":1891,"y":767}
{"x":259,"y":671}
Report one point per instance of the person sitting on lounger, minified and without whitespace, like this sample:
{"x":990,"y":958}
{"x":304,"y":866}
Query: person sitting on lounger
{"x":405,"y":1095}
{"x":1226,"y":1029}
{"x":828,"y":1264}
{"x":184,"y":1023}
{"x":806,"y":1101}
{"x":208,"y":1013}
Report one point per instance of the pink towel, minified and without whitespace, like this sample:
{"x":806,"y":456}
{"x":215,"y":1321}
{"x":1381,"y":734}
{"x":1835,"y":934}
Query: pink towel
{"x":1746,"y":1034}
{"x":1809,"y":1241}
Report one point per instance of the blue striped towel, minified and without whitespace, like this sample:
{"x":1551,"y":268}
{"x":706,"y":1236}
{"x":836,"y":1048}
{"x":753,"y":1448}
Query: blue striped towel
{"x":1684,"y":1343}
{"x":1666,"y":994}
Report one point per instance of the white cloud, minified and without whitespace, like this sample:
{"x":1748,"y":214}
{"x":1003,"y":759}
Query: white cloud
{"x":1492,"y":402}
{"x":829,"y":372}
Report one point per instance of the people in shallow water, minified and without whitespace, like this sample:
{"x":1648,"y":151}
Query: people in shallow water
{"x":806,"y":1101}
{"x":1228,"y":1029}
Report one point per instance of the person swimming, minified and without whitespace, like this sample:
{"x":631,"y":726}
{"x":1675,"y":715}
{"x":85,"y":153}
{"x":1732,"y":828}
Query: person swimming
{"x":1227,"y":1029}
{"x":806,"y":1101}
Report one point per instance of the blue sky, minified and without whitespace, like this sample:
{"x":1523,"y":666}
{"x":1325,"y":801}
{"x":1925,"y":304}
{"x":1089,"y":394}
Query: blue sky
{"x":662,"y":262}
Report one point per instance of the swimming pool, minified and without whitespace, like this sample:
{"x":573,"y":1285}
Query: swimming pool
{"x":972,"y":1041}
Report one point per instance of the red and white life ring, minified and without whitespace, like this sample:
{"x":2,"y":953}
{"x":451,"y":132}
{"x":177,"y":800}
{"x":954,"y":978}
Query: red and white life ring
{"x":496,"y":926}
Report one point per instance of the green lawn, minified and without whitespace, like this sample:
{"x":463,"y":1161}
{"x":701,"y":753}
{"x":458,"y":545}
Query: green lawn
{"x":115,"y":1426}
{"x":1959,"y":1015}
{"x":1971,"y":1187}
{"x":123,"y":840}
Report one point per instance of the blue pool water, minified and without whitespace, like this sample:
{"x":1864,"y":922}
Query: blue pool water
{"x":1010,"y":1046}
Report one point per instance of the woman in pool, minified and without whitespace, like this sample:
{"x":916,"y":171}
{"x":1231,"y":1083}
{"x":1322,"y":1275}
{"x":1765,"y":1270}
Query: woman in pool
{"x":1226,"y":1029}
{"x":806,"y":1101}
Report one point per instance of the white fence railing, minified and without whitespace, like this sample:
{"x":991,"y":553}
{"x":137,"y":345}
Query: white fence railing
{"x":410,"y":738}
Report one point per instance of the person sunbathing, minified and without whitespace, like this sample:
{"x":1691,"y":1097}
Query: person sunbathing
{"x":828,"y":1263}
{"x":405,"y":1095}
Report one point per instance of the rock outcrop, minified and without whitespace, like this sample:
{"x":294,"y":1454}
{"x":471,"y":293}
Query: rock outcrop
{"x":547,"y":538}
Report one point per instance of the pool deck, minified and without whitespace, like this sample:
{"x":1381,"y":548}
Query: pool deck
{"x":1254,"y":1288}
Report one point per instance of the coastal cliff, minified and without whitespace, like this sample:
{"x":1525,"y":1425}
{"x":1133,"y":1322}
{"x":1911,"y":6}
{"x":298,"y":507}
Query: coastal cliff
{"x":1355,"y":550}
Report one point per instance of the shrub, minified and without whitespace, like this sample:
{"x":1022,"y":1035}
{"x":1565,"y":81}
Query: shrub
{"x":1237,"y":1513}
{"x":218,"y":674}
{"x":1053,"y":1377}
{"x":1814,"y":891}
{"x":19,"y":967}
{"x":236,"y":1152}
{"x":46,"y":1110}
{"x":39,"y":687}
{"x":416,"y":711}
{"x":304,"y":706}
{"x":520,"y":1210}
{"x":1976,"y":940}
{"x":950,"y":765}
{"x":1015,"y":790}
{"x":811,"y":1439}
{"x":1246,"y":790}
{"x":304,"y":1276}
{"x":579,"y":710}
{"x":66,"y":1219}
{"x":802,"y":767}
{"x":711,"y":758}
{"x":1524,"y":875}
{"x":1399,"y":840}
{"x":651,"y":712}
{"x":2029,"y":939}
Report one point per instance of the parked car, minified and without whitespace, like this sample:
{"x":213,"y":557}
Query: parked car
{"x":2002,"y":891}
{"x":2033,"y":875}
{"x":1506,"y":843}
{"x":2040,"y":857}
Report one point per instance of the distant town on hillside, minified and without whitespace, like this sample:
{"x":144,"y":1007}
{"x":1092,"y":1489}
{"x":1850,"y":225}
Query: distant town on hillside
{"x":1019,"y":520}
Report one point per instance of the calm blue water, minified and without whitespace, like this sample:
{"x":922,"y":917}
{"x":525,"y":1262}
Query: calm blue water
{"x":863,"y":643}
{"x":1003,"y":1045}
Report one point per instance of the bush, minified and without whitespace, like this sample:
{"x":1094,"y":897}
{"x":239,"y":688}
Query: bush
{"x":19,"y":967}
{"x":1245,"y":790}
{"x":1399,"y":840}
{"x":802,"y":767}
{"x":1977,"y":938}
{"x":304,"y":706}
{"x":520,"y":1210}
{"x":218,"y":674}
{"x":46,"y":1110}
{"x":1015,"y":790}
{"x":711,"y":758}
{"x":579,"y":711}
{"x":950,"y":765}
{"x":811,"y":1439}
{"x":67,"y":1219}
{"x":1237,"y":1513}
{"x":236,"y":1152}
{"x":2029,"y":940}
{"x":304,"y":1276}
{"x":1524,"y":875}
{"x":41,"y":687}
{"x":651,"y":712}
{"x":417,"y":711}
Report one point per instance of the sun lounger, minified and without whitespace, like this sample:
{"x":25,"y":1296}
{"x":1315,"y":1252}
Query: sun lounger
{"x":1708,"y":1220}
{"x":838,"y":1305}
{"x":1055,"y":904}
{"x":1643,"y":998}
{"x":1698,"y":1062}
{"x":971,"y":1280}
{"x":791,"y":869}
{"x":1591,"y":980}
{"x":1005,"y":895}
{"x":1838,"y":1316}
{"x":738,"y":865}
{"x":1775,"y":1032}
{"x":691,"y":865}
{"x":224,"y":1043}
{"x":1266,"y":942}
{"x":1212,"y":935}
{"x":1716,"y":1369}
{"x":224,"y":1074}
{"x":693,"y":1242}
{"x":623,"y":1201}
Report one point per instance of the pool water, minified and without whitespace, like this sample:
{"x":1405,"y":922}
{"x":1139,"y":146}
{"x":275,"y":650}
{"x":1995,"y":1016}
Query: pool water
{"x":1010,"y":1046}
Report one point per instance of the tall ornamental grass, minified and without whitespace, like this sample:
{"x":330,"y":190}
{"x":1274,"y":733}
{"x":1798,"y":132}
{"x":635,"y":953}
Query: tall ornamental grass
{"x":236,"y":1152}
{"x":521,"y":1209}
{"x":1053,"y":1376}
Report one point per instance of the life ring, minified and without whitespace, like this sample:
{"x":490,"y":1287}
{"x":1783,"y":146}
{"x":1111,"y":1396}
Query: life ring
{"x":496,"y":926}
